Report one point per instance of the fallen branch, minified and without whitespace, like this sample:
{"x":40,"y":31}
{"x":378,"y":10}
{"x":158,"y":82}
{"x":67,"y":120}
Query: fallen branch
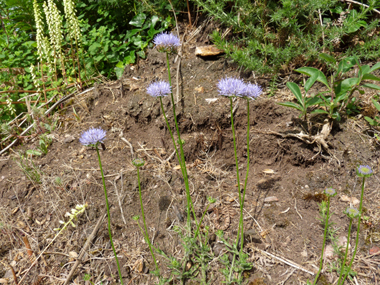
{"x":361,"y":4}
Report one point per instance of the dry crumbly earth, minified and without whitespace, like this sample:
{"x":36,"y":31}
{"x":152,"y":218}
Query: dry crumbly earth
{"x":281,"y":208}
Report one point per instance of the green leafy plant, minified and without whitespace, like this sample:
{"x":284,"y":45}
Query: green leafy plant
{"x":325,"y":216}
{"x":376,"y":120}
{"x":93,"y":137}
{"x":303,"y":102}
{"x":340,"y":90}
{"x":31,"y":171}
{"x":269,"y":36}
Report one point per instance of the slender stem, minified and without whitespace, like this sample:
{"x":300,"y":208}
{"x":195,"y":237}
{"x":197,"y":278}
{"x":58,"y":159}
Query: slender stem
{"x":190,"y":206}
{"x":143,"y":217}
{"x":200,"y":222}
{"x":324,"y":240}
{"x":109,"y":216}
{"x":345,"y":255}
{"x":245,"y":182}
{"x":358,"y":231}
{"x":237,"y":166}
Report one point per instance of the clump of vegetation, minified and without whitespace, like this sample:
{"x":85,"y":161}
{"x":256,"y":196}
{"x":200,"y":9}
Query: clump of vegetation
{"x":269,"y":36}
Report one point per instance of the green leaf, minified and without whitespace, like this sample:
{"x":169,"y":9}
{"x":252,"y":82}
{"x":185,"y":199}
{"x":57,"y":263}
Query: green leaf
{"x":375,"y":67}
{"x":327,"y":57}
{"x":363,"y":69}
{"x":370,"y":121}
{"x":310,"y":81}
{"x":345,"y":85}
{"x":120,"y":64}
{"x":119,"y":72}
{"x":138,"y":20}
{"x":346,"y":64}
{"x":319,"y":111}
{"x":291,"y":105}
{"x":98,"y":58}
{"x":377,"y":105}
{"x":369,"y":76}
{"x":310,"y":71}
{"x":313,"y":101}
{"x":93,"y":48}
{"x":33,"y":152}
{"x":296,"y":91}
{"x":372,"y":86}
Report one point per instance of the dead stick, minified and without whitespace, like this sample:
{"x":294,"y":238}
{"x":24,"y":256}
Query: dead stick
{"x":358,"y":3}
{"x":84,"y":249}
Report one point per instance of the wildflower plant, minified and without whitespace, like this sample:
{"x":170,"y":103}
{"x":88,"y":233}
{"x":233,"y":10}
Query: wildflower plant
{"x":329,"y":192}
{"x":139,"y":162}
{"x":168,"y":43}
{"x":93,"y":137}
{"x":363,"y":171}
{"x":231,"y":88}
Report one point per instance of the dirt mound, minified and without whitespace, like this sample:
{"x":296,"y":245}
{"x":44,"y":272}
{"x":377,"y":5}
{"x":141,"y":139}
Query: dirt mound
{"x":285,"y":225}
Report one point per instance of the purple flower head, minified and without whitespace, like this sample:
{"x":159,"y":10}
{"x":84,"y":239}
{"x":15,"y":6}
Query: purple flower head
{"x":364,"y":171}
{"x":330,"y":192}
{"x":352,"y":212}
{"x":166,"y":42}
{"x":231,"y":87}
{"x":159,"y":88}
{"x":252,"y":91}
{"x":92,"y":137}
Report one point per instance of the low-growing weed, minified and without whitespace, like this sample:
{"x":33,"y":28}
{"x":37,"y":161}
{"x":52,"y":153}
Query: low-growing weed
{"x":31,"y":171}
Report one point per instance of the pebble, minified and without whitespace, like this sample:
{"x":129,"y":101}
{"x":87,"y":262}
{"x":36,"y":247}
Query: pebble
{"x":207,"y":51}
{"x":374,"y":250}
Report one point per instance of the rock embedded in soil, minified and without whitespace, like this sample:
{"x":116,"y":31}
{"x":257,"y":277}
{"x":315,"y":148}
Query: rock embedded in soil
{"x":208,"y":51}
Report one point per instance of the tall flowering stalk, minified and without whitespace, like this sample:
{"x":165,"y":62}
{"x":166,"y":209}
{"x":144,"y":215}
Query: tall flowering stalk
{"x":74,"y":30}
{"x":329,"y":192}
{"x":138,"y":162}
{"x":352,"y":213}
{"x":168,"y":43}
{"x":234,"y":87}
{"x":93,"y":137}
{"x":363,"y":171}
{"x":231,"y":88}
{"x":54,"y":21}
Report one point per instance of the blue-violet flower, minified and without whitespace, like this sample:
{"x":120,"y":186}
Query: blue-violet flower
{"x":330,"y":192}
{"x":364,"y":171}
{"x":159,"y":88}
{"x":352,"y":212}
{"x":93,"y":136}
{"x":252,"y":91}
{"x":166,"y":42}
{"x":231,"y":87}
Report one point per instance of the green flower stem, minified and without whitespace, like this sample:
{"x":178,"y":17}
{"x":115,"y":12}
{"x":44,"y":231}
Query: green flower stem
{"x":237,"y":170}
{"x":182,"y":162}
{"x":241,"y":223}
{"x":346,"y":253}
{"x":109,"y":216}
{"x":324,"y":240}
{"x":143,"y":217}
{"x":358,"y":231}
{"x":200,"y":222}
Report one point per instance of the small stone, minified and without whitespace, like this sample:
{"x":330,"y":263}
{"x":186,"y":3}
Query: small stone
{"x":354,"y":201}
{"x":374,"y":250}
{"x":199,"y":89}
{"x":68,"y":139}
{"x":73,"y":254}
{"x":270,"y":199}
{"x":208,"y":51}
